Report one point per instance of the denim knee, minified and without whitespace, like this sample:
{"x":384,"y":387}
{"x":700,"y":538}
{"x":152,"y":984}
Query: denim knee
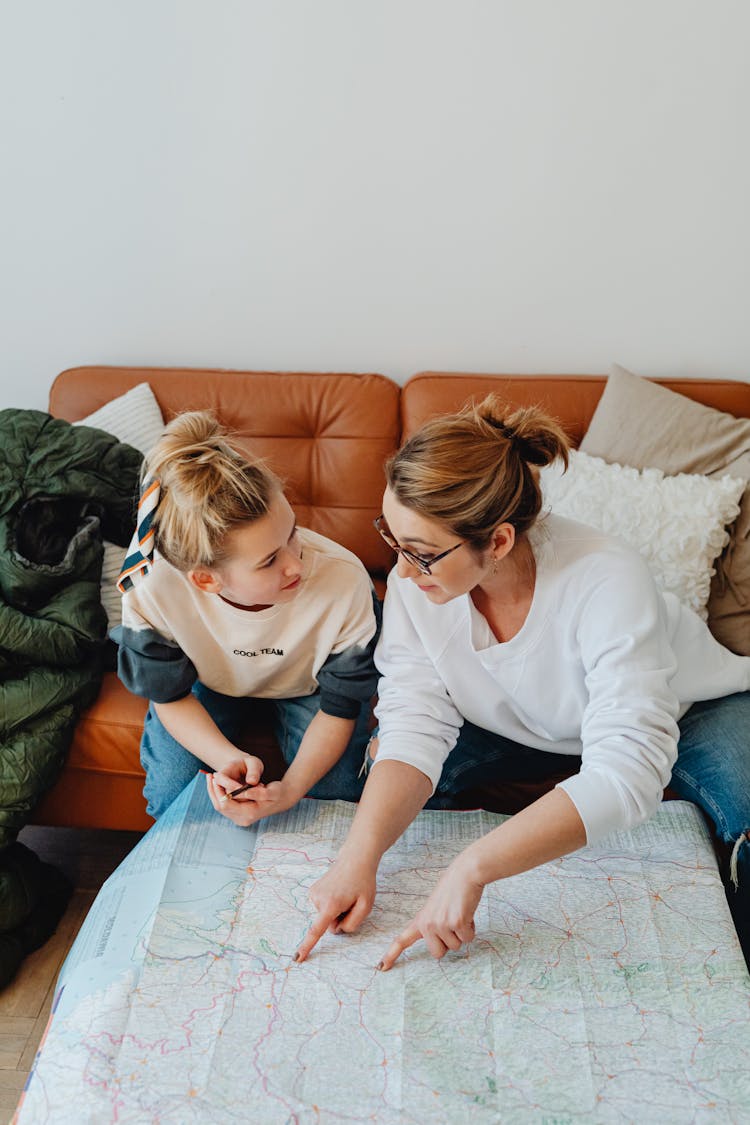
{"x":345,"y":780}
{"x":713,"y":763}
{"x":168,"y":765}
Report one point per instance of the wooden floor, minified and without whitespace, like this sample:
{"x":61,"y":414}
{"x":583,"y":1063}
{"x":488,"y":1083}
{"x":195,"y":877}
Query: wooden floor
{"x":87,"y":857}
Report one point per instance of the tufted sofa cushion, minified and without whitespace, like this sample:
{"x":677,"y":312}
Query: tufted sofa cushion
{"x":572,"y":399}
{"x":325,"y":435}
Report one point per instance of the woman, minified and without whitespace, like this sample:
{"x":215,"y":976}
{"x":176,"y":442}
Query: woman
{"x":510,"y":640}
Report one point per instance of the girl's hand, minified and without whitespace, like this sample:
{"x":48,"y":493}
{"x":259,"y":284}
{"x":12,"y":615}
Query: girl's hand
{"x":343,"y":898}
{"x":251,"y":806}
{"x":446,"y":921}
{"x":244,"y":769}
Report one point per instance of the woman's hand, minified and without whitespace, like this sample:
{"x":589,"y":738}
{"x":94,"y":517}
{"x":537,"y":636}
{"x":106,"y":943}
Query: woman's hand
{"x":543,"y":831}
{"x":343,"y":898}
{"x":446,"y":921}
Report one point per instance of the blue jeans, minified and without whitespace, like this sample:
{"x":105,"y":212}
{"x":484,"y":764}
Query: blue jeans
{"x":712,"y":770}
{"x":169,"y":766}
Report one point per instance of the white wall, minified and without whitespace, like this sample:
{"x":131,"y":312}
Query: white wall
{"x":508,"y":185}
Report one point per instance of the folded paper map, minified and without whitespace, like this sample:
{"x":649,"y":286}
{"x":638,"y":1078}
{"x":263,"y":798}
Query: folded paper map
{"x":605,"y":987}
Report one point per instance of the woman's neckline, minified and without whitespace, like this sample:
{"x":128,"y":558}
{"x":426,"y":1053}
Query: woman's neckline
{"x":507,"y":621}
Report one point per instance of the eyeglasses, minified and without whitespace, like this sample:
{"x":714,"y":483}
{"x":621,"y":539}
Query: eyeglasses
{"x":424,"y":566}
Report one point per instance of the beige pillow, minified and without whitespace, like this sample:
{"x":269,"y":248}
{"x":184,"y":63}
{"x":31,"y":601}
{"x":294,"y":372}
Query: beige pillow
{"x":642,"y":424}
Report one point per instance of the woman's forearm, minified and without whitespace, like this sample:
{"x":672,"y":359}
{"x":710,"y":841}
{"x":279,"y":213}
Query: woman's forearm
{"x":545,"y":830}
{"x":394,"y":794}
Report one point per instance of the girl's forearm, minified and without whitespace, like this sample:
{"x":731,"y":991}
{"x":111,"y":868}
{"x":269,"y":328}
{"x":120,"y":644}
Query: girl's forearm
{"x":188,"y":721}
{"x":323,"y":743}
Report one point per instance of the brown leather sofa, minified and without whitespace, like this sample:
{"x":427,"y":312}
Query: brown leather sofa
{"x":327,"y":436}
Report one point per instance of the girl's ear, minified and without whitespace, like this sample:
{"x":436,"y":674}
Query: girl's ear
{"x":503,"y":540}
{"x":205,"y":580}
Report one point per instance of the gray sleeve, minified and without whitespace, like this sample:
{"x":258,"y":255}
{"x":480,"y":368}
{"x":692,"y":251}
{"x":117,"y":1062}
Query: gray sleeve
{"x":348,"y":679}
{"x":151,"y":666}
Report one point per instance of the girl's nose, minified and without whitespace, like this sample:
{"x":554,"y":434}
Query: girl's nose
{"x":292,"y":564}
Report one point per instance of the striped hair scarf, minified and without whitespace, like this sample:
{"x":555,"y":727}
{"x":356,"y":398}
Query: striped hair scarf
{"x":140,"y":556}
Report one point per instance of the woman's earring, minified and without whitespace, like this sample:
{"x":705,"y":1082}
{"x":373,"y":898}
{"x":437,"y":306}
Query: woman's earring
{"x":494,"y":566}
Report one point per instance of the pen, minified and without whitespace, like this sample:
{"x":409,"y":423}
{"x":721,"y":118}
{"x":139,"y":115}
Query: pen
{"x":240,"y":789}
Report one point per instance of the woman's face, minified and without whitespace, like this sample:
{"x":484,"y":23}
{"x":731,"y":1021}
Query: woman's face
{"x":458,"y":573}
{"x":264,"y":560}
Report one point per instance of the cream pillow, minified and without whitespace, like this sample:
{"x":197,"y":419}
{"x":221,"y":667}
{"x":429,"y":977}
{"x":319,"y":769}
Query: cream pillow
{"x":678,"y":523}
{"x":136,"y":419}
{"x":640,"y":423}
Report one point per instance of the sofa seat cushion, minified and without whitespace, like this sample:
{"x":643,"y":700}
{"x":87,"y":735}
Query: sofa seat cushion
{"x":102,"y":785}
{"x":108,"y":735}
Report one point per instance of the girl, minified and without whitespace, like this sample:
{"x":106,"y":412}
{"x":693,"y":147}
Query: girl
{"x":512,"y":643}
{"x":236,"y":603}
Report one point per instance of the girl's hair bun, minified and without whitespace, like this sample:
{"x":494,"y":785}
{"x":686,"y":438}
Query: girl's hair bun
{"x":209,"y":484}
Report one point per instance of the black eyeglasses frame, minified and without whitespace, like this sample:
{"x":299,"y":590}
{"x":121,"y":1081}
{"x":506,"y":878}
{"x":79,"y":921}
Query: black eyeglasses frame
{"x":423,"y":565}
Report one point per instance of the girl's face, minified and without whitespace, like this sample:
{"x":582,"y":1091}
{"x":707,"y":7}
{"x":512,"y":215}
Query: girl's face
{"x":264,"y":561}
{"x":456,"y":574}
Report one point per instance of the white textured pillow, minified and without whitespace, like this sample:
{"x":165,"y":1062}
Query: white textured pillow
{"x":135,"y":418}
{"x":679,"y":523}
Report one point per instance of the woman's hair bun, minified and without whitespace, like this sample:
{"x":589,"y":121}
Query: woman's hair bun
{"x":476,"y":468}
{"x":538,"y":438}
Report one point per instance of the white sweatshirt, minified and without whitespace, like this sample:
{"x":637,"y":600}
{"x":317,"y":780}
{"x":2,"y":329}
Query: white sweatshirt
{"x":603,"y":667}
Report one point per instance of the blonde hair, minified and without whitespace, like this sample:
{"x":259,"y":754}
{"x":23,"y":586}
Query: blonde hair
{"x":475,"y":469}
{"x":209,"y":486}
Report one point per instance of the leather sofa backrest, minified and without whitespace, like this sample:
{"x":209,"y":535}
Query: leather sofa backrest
{"x":571,"y":399}
{"x":325,"y":435}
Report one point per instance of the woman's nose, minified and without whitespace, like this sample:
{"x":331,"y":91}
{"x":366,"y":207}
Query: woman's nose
{"x":405,"y":569}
